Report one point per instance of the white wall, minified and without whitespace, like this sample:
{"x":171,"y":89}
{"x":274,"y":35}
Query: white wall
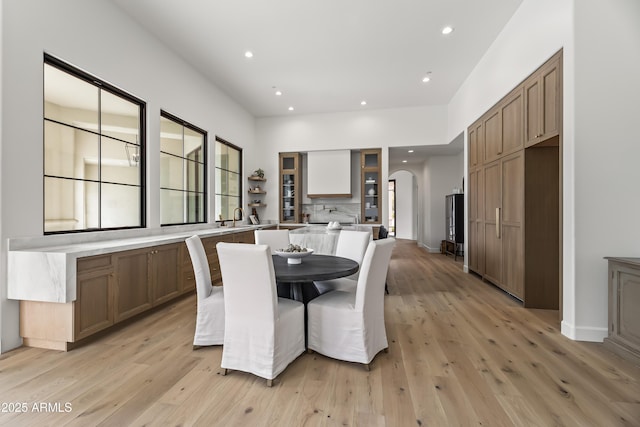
{"x":602,"y":41}
{"x":443,"y":174}
{"x":605,"y":154}
{"x":351,"y":130}
{"x":538,"y":29}
{"x":96,"y":37}
{"x":406,"y":204}
{"x":3,"y":266}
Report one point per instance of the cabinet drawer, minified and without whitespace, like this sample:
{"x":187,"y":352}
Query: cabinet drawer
{"x":94,"y":262}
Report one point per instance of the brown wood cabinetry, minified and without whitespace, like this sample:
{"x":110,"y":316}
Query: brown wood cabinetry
{"x":543,"y":100}
{"x":244,"y":237}
{"x":166,"y":273}
{"x":492,"y":126}
{"x":370,"y":186}
{"x":133,"y":283}
{"x":210,"y":249}
{"x":510,"y":217}
{"x":476,"y":145}
{"x":145,"y":278}
{"x":113,"y":287}
{"x":475,"y":232}
{"x":94,"y":299}
{"x":503,"y":127}
{"x":290,"y":187}
{"x":512,"y":117}
{"x":514,"y":192}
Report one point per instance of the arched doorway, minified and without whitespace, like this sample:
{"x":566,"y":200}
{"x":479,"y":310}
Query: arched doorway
{"x":403,"y":220}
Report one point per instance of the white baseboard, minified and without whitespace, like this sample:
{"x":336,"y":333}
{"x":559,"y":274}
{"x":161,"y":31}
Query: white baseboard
{"x":430,"y":250}
{"x":589,"y":334}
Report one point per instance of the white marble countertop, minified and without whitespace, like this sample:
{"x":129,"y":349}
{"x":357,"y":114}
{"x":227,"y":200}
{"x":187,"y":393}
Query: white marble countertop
{"x":40,"y":272}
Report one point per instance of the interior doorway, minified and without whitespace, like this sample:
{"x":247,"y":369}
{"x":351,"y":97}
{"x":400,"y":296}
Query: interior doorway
{"x":392,"y":208}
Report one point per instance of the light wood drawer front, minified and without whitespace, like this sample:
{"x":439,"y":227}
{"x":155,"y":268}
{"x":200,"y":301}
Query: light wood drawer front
{"x":94,"y":262}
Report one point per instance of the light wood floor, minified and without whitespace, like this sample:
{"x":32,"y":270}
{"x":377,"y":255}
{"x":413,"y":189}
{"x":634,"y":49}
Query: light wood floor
{"x":462,"y":353}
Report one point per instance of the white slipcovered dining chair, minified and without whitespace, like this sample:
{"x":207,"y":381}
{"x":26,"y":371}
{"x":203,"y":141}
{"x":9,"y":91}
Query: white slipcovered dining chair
{"x":350,"y":325}
{"x":210,"y":299}
{"x":353,"y":245}
{"x":275,"y":239}
{"x":263,"y":333}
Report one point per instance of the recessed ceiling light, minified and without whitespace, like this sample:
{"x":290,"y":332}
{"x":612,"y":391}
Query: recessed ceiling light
{"x":426,"y":79}
{"x":363,"y":102}
{"x":248,"y":54}
{"x":290,"y":108}
{"x":278,"y":93}
{"x":410,"y":151}
{"x":404,"y":161}
{"x":447,"y":30}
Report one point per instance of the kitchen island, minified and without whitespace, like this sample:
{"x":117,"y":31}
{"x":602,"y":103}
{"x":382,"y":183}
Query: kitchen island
{"x":71,"y":289}
{"x":322,"y":239}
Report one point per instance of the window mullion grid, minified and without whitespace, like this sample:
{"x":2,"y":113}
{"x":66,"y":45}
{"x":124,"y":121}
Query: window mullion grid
{"x":100,"y":159}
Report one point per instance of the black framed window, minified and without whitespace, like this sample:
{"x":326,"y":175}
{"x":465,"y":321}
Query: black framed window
{"x":94,"y":149}
{"x":183,"y":155}
{"x":228,"y":179}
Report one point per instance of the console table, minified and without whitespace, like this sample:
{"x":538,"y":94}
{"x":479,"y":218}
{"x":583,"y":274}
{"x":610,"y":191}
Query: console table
{"x":624,"y":307}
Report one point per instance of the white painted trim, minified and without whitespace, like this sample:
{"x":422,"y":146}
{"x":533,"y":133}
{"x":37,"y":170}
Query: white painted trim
{"x":590,"y":334}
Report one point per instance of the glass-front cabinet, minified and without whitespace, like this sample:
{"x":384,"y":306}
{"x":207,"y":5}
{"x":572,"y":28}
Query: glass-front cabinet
{"x":290,"y":187}
{"x":370,"y":174}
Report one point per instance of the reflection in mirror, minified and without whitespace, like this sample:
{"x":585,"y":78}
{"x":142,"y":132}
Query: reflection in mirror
{"x":92,"y":152}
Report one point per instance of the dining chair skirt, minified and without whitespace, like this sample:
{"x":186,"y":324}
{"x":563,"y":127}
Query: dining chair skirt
{"x":349,"y":325}
{"x":263,"y":333}
{"x":210,"y":305}
{"x":209,"y":321}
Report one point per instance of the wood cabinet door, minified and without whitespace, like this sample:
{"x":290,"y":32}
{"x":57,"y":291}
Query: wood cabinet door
{"x":371,"y":188}
{"x":533,"y":110}
{"x":512,"y":224}
{"x":210,"y":249}
{"x":290,"y":187}
{"x":133,"y":283}
{"x":543,"y":102}
{"x":472,"y":191}
{"x":166,"y":272}
{"x":512,"y":111}
{"x":492,"y":125}
{"x":244,"y":237}
{"x":475,"y":244}
{"x":491,"y":231}
{"x":550,"y":77}
{"x":624,"y":302}
{"x":94,"y":299}
{"x":475,"y":144}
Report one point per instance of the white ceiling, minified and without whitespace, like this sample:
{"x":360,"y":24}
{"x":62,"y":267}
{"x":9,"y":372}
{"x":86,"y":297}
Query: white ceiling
{"x":327,"y":55}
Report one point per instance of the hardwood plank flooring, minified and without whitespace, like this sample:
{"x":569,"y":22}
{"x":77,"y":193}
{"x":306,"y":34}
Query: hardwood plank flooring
{"x":461,"y":353}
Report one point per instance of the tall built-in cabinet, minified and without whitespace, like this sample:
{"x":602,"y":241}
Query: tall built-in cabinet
{"x":290,"y":187}
{"x":370,"y":187}
{"x":514,"y":190}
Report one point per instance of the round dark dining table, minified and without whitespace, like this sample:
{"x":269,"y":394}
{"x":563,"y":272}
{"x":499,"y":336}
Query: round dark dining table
{"x":297,"y":279}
